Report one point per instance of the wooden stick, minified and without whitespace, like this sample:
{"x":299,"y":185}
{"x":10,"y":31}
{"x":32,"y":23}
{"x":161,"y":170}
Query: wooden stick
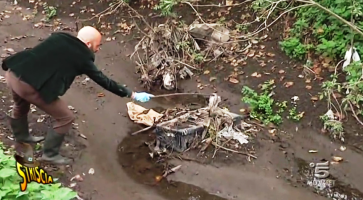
{"x":234,"y":151}
{"x":142,"y":130}
{"x":180,"y":94}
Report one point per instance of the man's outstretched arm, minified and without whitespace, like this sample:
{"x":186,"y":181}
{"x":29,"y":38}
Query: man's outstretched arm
{"x":97,"y":76}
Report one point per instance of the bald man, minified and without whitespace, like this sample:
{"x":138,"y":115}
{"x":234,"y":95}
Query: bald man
{"x":40,"y":75}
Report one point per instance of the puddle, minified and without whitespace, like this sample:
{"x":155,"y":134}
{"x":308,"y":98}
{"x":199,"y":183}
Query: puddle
{"x":135,"y":160}
{"x":330,"y":187}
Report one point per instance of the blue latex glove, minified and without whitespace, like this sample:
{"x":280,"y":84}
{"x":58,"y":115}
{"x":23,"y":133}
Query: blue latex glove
{"x":142,"y":96}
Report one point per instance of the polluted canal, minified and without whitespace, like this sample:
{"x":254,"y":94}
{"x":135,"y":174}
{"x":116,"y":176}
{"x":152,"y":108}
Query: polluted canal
{"x":135,"y":160}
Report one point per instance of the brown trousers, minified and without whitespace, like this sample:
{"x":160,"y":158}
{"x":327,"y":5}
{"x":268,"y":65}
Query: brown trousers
{"x":24,"y":95}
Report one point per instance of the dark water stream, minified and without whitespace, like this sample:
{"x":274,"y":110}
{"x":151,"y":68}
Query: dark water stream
{"x":135,"y":160}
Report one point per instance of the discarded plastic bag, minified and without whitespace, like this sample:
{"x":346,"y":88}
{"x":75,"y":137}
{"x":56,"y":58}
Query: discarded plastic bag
{"x":141,"y":115}
{"x":349,"y":55}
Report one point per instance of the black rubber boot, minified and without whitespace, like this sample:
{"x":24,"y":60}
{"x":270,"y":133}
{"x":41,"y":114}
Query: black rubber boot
{"x":52,"y":145}
{"x":20,"y":128}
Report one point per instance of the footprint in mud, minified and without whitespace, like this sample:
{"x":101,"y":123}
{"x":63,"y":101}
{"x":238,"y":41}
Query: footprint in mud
{"x":135,"y":160}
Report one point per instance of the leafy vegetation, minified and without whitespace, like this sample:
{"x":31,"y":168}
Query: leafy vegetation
{"x":166,"y":7}
{"x":317,"y":34}
{"x":264,"y":108}
{"x":10,"y":189}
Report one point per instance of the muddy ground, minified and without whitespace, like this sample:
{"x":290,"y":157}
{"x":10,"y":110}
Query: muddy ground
{"x":123,"y":168}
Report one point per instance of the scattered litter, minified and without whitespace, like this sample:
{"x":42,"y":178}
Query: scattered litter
{"x":180,"y":129}
{"x":72,"y":185}
{"x":91,"y":171}
{"x":10,"y":138}
{"x":85,"y":81}
{"x":77,"y":178}
{"x":2,"y":79}
{"x":350,"y":55}
{"x":313,"y":151}
{"x":82,"y":136}
{"x":167,"y":172}
{"x":342,"y":148}
{"x":33,"y":108}
{"x":41,"y":118}
{"x":337,"y":159}
{"x":229,"y":133}
{"x":141,"y":115}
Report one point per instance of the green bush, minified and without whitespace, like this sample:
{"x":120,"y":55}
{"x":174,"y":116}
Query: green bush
{"x":322,"y":33}
{"x":10,"y":188}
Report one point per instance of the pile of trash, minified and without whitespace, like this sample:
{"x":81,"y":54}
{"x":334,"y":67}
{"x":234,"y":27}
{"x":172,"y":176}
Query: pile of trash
{"x":171,"y":51}
{"x":183,"y":129}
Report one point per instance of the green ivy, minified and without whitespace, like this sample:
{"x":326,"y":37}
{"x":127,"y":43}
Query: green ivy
{"x":330,"y":36}
{"x":10,"y":188}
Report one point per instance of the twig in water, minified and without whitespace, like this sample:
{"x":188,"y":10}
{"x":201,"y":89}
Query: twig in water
{"x":234,"y":151}
{"x":142,"y":130}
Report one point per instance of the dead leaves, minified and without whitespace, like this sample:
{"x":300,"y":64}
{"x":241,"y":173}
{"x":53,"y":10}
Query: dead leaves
{"x":233,"y":80}
{"x":255,"y":74}
{"x":288,"y":84}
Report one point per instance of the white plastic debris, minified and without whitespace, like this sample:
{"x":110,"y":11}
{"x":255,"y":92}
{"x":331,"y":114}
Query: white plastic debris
{"x":2,"y":79}
{"x":168,"y":79}
{"x":330,"y":114}
{"x":229,"y":133}
{"x":349,"y":55}
{"x":85,"y":81}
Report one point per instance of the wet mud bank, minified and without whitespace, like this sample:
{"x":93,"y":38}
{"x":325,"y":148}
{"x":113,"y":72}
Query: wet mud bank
{"x":329,"y":187}
{"x":134,"y":158}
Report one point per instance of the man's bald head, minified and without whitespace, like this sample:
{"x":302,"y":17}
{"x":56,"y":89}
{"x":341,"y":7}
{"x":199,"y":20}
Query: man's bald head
{"x":91,"y":37}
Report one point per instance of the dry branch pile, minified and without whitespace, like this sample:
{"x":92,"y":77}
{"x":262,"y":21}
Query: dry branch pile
{"x":172,"y":50}
{"x":183,"y":129}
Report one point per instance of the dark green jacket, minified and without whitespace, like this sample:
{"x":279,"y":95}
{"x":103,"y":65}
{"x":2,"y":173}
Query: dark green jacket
{"x":51,"y":67}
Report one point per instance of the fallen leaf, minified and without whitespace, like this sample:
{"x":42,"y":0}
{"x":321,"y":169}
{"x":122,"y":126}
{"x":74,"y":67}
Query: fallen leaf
{"x":337,"y":159}
{"x":320,"y":30}
{"x":254,"y":41}
{"x":314,"y":98}
{"x":317,"y":70}
{"x":242,"y":110}
{"x":301,"y":115}
{"x":262,"y":46}
{"x":251,"y":54}
{"x":272,"y":132}
{"x":257,"y":75}
{"x":308,"y":87}
{"x":91,"y":171}
{"x":270,"y":54}
{"x":342,"y":148}
{"x":101,"y":94}
{"x":288,"y":84}
{"x":212,"y":79}
{"x":206,"y":72}
{"x":281,"y":71}
{"x":233,"y":80}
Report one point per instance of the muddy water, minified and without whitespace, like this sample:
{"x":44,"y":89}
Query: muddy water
{"x":332,"y":190}
{"x":135,"y":160}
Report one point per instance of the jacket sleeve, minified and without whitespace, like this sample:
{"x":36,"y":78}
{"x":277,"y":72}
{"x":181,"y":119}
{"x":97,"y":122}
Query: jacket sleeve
{"x":97,"y":76}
